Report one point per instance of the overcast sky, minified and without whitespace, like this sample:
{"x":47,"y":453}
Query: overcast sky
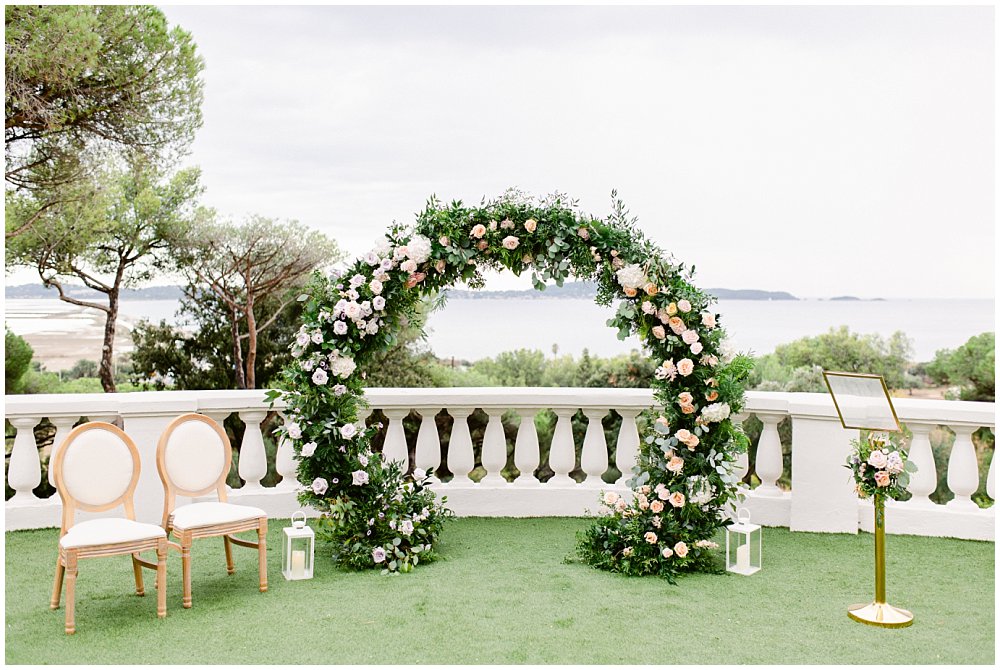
{"x":822,"y":151}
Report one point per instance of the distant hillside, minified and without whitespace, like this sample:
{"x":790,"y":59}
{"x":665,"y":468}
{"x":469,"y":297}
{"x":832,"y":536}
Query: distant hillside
{"x":583,"y":289}
{"x":749,"y":294}
{"x":36,"y":291}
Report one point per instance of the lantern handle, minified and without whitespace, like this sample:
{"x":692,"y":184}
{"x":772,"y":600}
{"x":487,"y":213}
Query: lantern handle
{"x":299,"y":523}
{"x":743,"y":515}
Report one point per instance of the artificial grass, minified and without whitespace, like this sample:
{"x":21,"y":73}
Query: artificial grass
{"x":502,"y":592}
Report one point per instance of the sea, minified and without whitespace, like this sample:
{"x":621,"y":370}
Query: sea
{"x":467,"y":329}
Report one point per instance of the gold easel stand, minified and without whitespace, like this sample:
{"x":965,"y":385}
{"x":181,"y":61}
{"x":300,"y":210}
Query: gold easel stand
{"x":879,"y":612}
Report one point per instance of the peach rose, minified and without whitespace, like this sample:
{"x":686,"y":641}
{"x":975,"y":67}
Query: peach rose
{"x":415,"y":279}
{"x":713,"y":382}
{"x":610,"y":498}
{"x":712,"y":396}
{"x":583,"y":233}
{"x":688,"y":409}
{"x":681,"y":549}
{"x":696,"y":348}
{"x":708,"y":319}
{"x":444,"y":240}
{"x":689,"y":336}
{"x":650,"y":537}
{"x":478,"y":231}
{"x":676,"y":325}
{"x":530,"y":225}
{"x":663,"y":316}
{"x":684,"y":306}
{"x":882,"y":478}
{"x":658,"y":332}
{"x":685,"y":398}
{"x":675,"y":465}
{"x":651,"y":289}
{"x":677,"y":499}
{"x":656,"y":507}
{"x":672,"y":308}
{"x":692,"y":442}
{"x":685,"y":366}
{"x":662,"y":493}
{"x":630,"y":292}
{"x":683,"y":435}
{"x":667,"y":552}
{"x":510,"y":242}
{"x":439,"y":265}
{"x":481,"y":246}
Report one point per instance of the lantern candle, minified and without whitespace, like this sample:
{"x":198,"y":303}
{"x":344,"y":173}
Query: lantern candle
{"x":743,"y":558}
{"x":298,"y":564}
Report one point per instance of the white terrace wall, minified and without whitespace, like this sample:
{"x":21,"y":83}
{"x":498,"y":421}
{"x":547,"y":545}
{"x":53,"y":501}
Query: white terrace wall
{"x":821,"y":498}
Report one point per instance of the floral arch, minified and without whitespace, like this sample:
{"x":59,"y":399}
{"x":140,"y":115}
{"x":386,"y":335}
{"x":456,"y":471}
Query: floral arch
{"x":378,"y":516}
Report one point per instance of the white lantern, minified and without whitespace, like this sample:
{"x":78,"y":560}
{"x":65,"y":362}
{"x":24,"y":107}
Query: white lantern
{"x":297,"y":552}
{"x":743,"y":545}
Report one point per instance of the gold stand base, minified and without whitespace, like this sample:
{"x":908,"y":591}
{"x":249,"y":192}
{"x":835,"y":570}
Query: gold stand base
{"x":880,"y":614}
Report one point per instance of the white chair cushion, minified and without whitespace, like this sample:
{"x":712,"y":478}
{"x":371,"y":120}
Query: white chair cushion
{"x":108,"y":531}
{"x":98,"y":467}
{"x":197,"y":515}
{"x":195,"y":456}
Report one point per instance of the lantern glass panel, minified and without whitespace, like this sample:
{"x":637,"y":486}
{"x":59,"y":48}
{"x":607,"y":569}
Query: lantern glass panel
{"x":743,"y":548}
{"x":297,"y":553}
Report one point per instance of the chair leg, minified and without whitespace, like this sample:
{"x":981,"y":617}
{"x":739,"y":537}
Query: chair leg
{"x":186,"y":571}
{"x":230,"y":567}
{"x":140,"y":589}
{"x":262,"y":554}
{"x":161,"y":579}
{"x":57,"y":587}
{"x":71,"y":572}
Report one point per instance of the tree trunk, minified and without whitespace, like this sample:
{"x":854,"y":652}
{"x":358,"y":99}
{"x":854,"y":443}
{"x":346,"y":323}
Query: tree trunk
{"x":234,"y":325}
{"x":107,"y":373}
{"x":251,"y":343}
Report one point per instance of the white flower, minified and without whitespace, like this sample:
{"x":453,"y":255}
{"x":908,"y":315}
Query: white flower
{"x":362,"y":459}
{"x":419,"y":248}
{"x":894,"y":463}
{"x":378,"y":554}
{"x":715,"y":412}
{"x":342,"y":366}
{"x":352,"y":310}
{"x":294,"y":430}
{"x":376,"y":286}
{"x":359,"y":477}
{"x":372,"y":258}
{"x":631,"y":276}
{"x":648,"y":308}
{"x":339,"y":389}
{"x":319,"y":486}
{"x":372,"y":327}
{"x":308,"y":365}
{"x":302,"y":339}
{"x":320,"y":377}
{"x":727,"y":350}
{"x":383,"y":247}
{"x":406,"y":527}
{"x":308,"y":449}
{"x":378,"y":302}
{"x":419,"y":474}
{"x":877,"y":459}
{"x":689,"y":336}
{"x":348,"y":431}
{"x":357,"y":280}
{"x":317,"y":337}
{"x":340,"y":327}
{"x":408,"y":266}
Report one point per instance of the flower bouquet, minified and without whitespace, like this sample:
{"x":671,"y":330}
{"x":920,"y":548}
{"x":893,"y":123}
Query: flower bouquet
{"x":880,"y":467}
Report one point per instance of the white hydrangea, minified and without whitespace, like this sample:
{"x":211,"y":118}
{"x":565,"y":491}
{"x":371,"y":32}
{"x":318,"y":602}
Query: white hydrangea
{"x":715,"y":412}
{"x":631,"y":276}
{"x":382,"y":247}
{"x":342,"y":366}
{"x":419,"y":248}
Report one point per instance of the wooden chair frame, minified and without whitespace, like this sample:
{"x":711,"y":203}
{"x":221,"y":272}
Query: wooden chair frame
{"x":68,"y":558}
{"x":186,"y":537}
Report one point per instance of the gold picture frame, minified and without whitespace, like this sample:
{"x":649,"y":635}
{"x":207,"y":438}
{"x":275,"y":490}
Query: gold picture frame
{"x":855,"y":391}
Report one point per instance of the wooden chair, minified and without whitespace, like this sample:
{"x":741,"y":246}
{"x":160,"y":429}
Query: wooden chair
{"x":97,"y":470}
{"x":193,"y":458}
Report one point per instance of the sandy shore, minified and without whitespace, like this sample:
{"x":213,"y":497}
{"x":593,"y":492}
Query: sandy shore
{"x":61,"y":334}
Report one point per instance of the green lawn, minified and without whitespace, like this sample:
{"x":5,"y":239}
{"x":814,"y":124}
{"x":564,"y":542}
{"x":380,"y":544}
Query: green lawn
{"x":503,"y":593}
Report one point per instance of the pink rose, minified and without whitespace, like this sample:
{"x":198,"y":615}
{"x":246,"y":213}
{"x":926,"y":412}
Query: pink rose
{"x":877,"y":459}
{"x":439,"y":265}
{"x":656,"y":507}
{"x":415,"y":279}
{"x":685,"y":398}
{"x":675,"y":465}
{"x":408,"y":265}
{"x":648,"y":308}
{"x":708,"y":319}
{"x":684,"y":305}
{"x":510,"y":242}
{"x":658,"y":332}
{"x":696,"y":348}
{"x":667,"y":552}
{"x":662,"y":315}
{"x":662,"y":493}
{"x":482,"y":245}
{"x":676,"y":325}
{"x":478,"y":231}
{"x":685,"y":366}
{"x":677,"y":499}
{"x":650,"y":537}
{"x":610,"y":498}
{"x":681,"y":549}
{"x":583,"y":233}
{"x":882,"y":478}
{"x":689,"y":336}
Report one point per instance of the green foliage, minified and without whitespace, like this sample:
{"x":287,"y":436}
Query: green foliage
{"x":879,"y":467}
{"x":798,"y":365}
{"x":82,"y":368}
{"x":17,"y":360}
{"x":971,"y":367}
{"x":83,"y":80}
{"x":349,"y":319}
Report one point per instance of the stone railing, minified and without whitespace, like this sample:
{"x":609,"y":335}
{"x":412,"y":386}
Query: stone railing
{"x":821,"y":496}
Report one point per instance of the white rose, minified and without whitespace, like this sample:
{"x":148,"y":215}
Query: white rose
{"x":320,"y":377}
{"x":408,"y":266}
{"x":308,"y":449}
{"x":419,"y":474}
{"x":378,"y":302}
{"x":302,"y":339}
{"x":359,"y":477}
{"x":348,"y":431}
{"x":352,"y":310}
{"x":376,"y":286}
{"x":894,"y":463}
{"x":319,"y":486}
{"x":340,"y":327}
{"x":294,"y":430}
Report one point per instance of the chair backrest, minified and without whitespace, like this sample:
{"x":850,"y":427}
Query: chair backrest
{"x":96,"y":469}
{"x":193,"y":458}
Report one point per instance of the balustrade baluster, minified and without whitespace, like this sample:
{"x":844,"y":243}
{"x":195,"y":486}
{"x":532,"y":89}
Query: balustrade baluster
{"x":924,"y":480}
{"x":562,"y":453}
{"x":742,"y":459}
{"x":594,"y":458}
{"x":991,"y":489}
{"x":253,"y":456}
{"x":494,"y":448}
{"x":285,"y":462}
{"x":25,"y":471}
{"x":363,"y":414}
{"x":627,"y":446}
{"x":526,"y":451}
{"x":428,"y":452}
{"x":63,"y":424}
{"x":963,"y":470}
{"x":769,"y":463}
{"x":394,"y":448}
{"x":461,"y":458}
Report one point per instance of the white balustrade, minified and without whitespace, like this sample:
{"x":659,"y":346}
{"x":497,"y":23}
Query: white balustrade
{"x":63,"y":425}
{"x":824,"y":500}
